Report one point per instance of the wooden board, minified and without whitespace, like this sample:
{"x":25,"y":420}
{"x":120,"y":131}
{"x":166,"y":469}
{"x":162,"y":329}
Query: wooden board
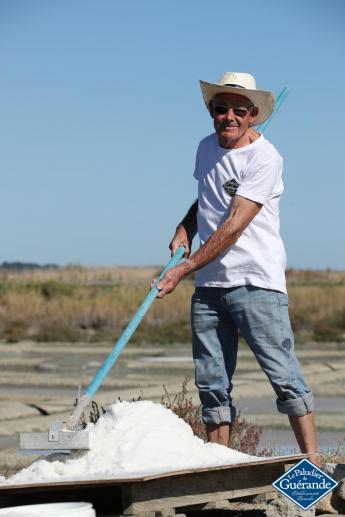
{"x":164,"y":492}
{"x":106,"y":480}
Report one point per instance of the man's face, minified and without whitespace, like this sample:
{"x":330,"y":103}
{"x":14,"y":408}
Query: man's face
{"x":232,"y":126}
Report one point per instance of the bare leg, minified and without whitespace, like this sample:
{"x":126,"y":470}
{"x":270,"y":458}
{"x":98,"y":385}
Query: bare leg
{"x":218,"y":433}
{"x":305,"y":432}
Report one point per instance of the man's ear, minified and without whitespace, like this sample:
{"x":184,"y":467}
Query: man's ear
{"x":210,"y":106}
{"x":254,"y":113}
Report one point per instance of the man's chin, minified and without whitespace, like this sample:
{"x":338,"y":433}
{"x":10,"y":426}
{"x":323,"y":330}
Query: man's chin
{"x":226,"y":140}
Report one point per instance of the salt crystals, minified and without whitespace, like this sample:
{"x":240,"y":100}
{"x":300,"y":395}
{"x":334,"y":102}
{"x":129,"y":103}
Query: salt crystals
{"x":133,"y":439}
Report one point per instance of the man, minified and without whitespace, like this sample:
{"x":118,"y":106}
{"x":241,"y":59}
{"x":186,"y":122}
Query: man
{"x":240,"y":265}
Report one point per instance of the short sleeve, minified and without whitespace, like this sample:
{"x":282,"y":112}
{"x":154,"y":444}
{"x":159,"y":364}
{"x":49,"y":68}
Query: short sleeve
{"x":262,"y":180}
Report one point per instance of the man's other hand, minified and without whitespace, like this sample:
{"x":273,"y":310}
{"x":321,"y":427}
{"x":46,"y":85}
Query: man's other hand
{"x":169,"y":282}
{"x":181,"y":238}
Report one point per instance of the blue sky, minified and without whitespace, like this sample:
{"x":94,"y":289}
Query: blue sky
{"x":101,"y":114}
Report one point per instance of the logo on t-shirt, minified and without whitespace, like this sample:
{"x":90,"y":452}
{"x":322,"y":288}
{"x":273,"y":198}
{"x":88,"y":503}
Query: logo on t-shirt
{"x":231,"y":186}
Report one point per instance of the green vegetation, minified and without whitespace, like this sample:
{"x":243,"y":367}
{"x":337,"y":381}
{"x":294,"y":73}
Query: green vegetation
{"x":95,"y":304}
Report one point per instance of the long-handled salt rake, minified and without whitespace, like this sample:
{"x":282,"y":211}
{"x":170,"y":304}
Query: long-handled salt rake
{"x":63,"y":437}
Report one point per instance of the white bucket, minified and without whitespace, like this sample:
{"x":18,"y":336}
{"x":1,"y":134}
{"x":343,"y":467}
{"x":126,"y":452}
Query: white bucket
{"x":50,"y":510}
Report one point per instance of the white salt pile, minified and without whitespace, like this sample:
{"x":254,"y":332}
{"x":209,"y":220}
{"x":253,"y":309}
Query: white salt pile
{"x":134,"y":439}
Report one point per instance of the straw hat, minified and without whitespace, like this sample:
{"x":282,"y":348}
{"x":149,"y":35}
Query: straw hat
{"x":242,"y":84}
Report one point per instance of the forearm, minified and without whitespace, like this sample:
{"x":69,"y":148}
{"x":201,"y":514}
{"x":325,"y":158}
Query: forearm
{"x":219,"y":241}
{"x":185,"y":231}
{"x":241,"y":214}
{"x":189,"y":222}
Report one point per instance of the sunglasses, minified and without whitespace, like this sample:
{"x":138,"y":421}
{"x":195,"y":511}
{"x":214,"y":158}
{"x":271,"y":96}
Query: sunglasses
{"x":238,"y":112}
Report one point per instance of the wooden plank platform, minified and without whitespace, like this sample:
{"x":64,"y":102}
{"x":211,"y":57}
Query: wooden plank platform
{"x":157,"y":494}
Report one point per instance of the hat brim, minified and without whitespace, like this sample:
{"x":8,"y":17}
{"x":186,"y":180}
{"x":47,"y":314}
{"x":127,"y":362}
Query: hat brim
{"x":263,"y":100}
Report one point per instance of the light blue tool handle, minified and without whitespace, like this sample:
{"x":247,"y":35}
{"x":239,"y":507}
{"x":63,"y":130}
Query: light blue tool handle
{"x":131,"y":327}
{"x":279,"y":101}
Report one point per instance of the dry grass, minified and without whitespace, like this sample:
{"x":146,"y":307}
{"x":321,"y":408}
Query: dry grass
{"x":81,"y":275}
{"x":53,"y":311}
{"x":75,"y":303}
{"x":335,"y":456}
{"x":313,"y":276}
{"x":318,"y":311}
{"x":245,"y":436}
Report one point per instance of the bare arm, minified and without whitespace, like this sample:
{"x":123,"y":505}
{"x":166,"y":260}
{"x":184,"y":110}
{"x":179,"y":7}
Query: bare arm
{"x":242,"y":212}
{"x":185,"y":231}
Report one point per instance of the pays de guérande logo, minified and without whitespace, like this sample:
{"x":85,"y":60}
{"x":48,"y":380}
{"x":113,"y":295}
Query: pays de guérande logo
{"x":305,"y":484}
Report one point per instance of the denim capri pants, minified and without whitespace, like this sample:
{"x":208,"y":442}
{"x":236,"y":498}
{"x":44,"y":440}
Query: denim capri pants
{"x":261,"y":316}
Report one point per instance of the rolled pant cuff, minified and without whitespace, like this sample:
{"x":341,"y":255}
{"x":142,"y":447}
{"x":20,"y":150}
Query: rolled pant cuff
{"x":297,"y":407}
{"x":219,"y":415}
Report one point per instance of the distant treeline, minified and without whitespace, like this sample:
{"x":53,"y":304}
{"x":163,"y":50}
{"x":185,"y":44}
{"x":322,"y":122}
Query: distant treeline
{"x":24,"y":266}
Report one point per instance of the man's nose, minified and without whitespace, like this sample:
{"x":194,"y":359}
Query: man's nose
{"x":230,"y":114}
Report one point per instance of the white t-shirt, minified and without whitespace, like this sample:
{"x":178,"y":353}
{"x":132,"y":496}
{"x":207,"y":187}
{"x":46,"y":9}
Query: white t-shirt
{"x":255,"y":172}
